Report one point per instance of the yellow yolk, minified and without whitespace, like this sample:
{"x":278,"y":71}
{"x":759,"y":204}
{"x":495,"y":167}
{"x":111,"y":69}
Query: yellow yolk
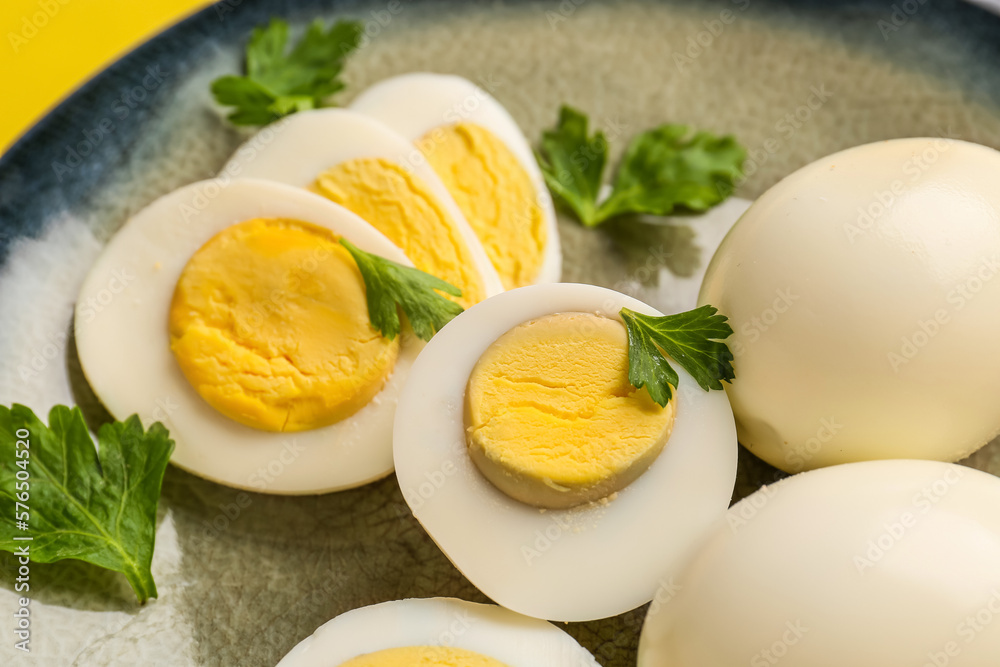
{"x":496,"y":196}
{"x":269,"y":324}
{"x":400,"y":206}
{"x":423,"y":656}
{"x":551,"y":417}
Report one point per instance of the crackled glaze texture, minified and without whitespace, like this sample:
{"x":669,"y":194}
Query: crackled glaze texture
{"x":243,"y":577}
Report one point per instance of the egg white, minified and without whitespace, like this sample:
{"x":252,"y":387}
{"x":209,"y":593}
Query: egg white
{"x":859,"y":288}
{"x":874,"y":564}
{"x":416,"y":103}
{"x":578,"y":564}
{"x":297,"y":149}
{"x":124,"y":346}
{"x":511,"y":638}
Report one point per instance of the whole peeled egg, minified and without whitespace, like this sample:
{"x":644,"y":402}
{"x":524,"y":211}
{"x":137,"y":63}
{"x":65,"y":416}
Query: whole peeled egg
{"x":863,"y":294}
{"x":870,"y":564}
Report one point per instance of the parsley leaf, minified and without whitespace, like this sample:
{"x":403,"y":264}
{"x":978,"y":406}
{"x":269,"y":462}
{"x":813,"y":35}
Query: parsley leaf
{"x":692,"y":339}
{"x":573,"y":164}
{"x":279,"y":83}
{"x":663,"y":169}
{"x":388,"y":285}
{"x":99,"y":507}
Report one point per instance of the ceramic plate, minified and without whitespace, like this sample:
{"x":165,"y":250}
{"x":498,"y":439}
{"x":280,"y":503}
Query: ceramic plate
{"x":244,"y":577}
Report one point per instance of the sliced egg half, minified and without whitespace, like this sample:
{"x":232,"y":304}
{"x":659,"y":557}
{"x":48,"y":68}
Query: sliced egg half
{"x":594,"y":560}
{"x":146,"y":308}
{"x":364,"y":166}
{"x":873,"y":564}
{"x":437,"y":632}
{"x":481,"y":154}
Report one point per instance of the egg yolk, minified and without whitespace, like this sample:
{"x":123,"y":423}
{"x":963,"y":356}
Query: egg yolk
{"x":495,"y":195}
{"x":269,"y":324}
{"x":423,"y":656}
{"x":400,"y":206}
{"x":551,"y":417}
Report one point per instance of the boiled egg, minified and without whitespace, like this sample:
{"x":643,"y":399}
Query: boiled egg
{"x":864,"y":296}
{"x":871,"y":564}
{"x":367,"y":168}
{"x":228,"y":311}
{"x":552,"y":484}
{"x":480,"y":153}
{"x":437,"y":632}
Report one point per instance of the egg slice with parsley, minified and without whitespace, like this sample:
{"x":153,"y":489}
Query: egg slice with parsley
{"x":437,"y":632}
{"x":231,"y":313}
{"x":480,"y":153}
{"x":557,"y":487}
{"x":367,"y":168}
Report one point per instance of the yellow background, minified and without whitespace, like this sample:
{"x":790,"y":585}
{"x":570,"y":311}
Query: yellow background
{"x":71,"y":42}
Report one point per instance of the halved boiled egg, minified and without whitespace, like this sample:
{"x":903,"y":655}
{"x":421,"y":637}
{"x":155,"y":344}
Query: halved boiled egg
{"x":873,"y":564}
{"x":437,"y":632}
{"x":367,"y":168}
{"x":231,"y":313}
{"x":480,"y":153}
{"x":557,"y":488}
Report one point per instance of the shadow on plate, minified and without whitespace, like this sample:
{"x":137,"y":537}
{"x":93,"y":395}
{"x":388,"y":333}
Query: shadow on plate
{"x":646,"y":244}
{"x":73,"y":584}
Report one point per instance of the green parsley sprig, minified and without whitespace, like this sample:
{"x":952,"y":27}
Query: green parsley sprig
{"x":390,"y":286}
{"x":278,"y":82}
{"x":664,"y":169}
{"x":74,"y":501}
{"x":692,"y":339}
